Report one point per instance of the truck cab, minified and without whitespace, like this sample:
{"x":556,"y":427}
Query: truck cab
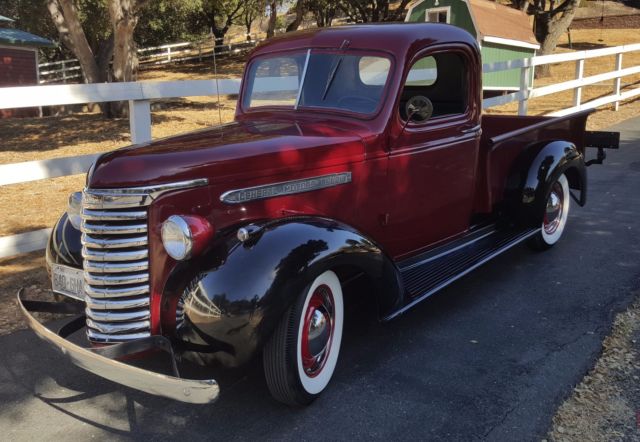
{"x":356,"y":153}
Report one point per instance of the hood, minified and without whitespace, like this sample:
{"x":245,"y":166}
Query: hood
{"x":230,"y":152}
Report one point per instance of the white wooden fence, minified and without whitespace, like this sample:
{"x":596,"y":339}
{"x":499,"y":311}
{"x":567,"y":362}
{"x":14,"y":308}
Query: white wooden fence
{"x":69,"y":71}
{"x":140,"y":94}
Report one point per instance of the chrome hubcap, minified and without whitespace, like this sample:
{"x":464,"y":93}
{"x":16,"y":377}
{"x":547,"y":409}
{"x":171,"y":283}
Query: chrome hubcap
{"x":553,"y":212}
{"x":317,"y":332}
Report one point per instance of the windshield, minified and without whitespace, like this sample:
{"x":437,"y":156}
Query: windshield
{"x":343,"y":81}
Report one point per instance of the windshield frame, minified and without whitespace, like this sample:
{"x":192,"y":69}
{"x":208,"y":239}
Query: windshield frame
{"x":321,"y":109}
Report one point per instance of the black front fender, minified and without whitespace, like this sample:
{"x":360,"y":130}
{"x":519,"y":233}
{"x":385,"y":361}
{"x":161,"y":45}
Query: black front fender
{"x":64,"y":246}
{"x":234,"y":301}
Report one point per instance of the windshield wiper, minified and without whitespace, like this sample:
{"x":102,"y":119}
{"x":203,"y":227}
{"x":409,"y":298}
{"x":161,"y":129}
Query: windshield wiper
{"x":332,"y":75}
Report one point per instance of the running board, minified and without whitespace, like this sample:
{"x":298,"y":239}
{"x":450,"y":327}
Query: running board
{"x":431,"y":272}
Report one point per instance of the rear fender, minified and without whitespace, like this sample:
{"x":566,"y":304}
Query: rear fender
{"x":241,"y":290}
{"x":537,"y":169}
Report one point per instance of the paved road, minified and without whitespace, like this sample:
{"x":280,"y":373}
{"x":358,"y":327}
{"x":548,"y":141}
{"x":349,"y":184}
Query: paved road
{"x":489,"y":358}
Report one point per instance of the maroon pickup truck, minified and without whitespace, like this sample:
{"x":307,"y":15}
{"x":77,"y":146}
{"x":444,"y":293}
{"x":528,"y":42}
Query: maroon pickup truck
{"x":357,"y":154}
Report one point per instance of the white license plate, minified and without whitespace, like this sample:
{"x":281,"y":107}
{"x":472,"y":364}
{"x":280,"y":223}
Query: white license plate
{"x":67,"y":281}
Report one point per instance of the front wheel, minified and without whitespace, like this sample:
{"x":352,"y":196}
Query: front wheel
{"x":300,"y":357}
{"x":556,"y":213}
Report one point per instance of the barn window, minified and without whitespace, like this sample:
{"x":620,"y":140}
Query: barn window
{"x":438,"y":15}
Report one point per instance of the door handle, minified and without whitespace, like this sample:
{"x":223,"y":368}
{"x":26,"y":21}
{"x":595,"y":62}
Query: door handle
{"x":467,"y":129}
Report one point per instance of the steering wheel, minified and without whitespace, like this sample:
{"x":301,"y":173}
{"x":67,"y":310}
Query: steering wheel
{"x":353,"y":102}
{"x":419,"y":108}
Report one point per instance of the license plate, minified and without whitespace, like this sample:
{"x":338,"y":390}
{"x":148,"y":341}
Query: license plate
{"x":67,"y":281}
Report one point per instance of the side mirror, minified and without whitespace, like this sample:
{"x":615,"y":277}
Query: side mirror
{"x":419,"y":109}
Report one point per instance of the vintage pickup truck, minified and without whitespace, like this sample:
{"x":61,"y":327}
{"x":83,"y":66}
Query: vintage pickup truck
{"x":358,"y":153}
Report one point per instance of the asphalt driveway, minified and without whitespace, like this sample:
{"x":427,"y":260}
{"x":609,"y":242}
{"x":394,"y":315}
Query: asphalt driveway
{"x":491,"y":357}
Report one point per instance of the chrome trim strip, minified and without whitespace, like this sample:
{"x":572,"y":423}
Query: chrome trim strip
{"x":136,"y":278}
{"x":113,"y":243}
{"x":117,"y":304}
{"x":133,"y":196}
{"x":105,"y":229}
{"x":114,"y":256}
{"x":118,"y":328}
{"x":302,"y":78}
{"x":102,"y":316}
{"x":109,"y":292}
{"x":184,"y":390}
{"x":239,"y":196}
{"x":104,"y":338}
{"x":101,"y":215}
{"x":110,"y":267}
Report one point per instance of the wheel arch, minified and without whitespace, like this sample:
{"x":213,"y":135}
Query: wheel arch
{"x":252,"y":283}
{"x":535,"y":171}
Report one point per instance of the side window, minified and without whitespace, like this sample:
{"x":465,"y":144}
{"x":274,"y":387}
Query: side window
{"x":442,"y":79}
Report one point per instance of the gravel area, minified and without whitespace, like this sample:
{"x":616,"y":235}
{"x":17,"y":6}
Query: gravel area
{"x":606,"y":404}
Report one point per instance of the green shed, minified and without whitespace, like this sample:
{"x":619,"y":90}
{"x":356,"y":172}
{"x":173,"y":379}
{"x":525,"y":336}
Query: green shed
{"x":503,"y":33}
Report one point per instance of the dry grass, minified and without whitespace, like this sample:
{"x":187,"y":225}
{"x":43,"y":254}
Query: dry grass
{"x":600,"y":407}
{"x":21,"y":271}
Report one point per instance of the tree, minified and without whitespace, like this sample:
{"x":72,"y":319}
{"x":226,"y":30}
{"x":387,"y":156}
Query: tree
{"x":324,"y":11}
{"x":273,"y":18}
{"x":221,"y":14}
{"x":371,"y":11}
{"x":252,"y":9}
{"x":300,"y":9}
{"x":119,"y":46}
{"x":551,"y":20}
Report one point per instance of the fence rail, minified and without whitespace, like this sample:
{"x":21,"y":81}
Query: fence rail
{"x":65,"y":71}
{"x":140,"y":94}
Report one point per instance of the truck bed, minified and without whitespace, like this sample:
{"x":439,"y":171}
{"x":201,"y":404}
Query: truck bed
{"x":505,"y":137}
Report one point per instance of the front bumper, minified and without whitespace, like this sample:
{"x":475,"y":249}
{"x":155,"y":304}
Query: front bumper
{"x":103,"y":360}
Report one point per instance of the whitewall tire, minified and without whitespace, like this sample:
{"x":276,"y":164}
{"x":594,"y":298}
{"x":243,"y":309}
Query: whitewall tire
{"x":301,"y":356}
{"x":556,"y":213}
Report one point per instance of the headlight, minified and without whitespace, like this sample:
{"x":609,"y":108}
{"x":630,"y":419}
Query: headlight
{"x":74,"y":209}
{"x":185,"y":236}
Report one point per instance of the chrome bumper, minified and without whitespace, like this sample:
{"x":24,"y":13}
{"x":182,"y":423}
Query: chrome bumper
{"x":102,"y":361}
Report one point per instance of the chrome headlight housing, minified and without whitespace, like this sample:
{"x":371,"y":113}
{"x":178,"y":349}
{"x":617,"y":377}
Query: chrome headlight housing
{"x":177,"y":238}
{"x":74,"y":209}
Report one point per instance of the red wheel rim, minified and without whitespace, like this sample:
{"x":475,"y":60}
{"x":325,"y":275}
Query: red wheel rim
{"x":317,"y":331}
{"x":553,"y":211}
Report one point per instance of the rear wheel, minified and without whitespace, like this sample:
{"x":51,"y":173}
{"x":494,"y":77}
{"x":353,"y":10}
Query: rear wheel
{"x":555,"y":217}
{"x":300,"y":357}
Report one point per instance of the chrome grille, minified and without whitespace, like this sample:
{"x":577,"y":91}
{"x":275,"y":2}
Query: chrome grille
{"x":116,"y":273}
{"x":116,"y":260}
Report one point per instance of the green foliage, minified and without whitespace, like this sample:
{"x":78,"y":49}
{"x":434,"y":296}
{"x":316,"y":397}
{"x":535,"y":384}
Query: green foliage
{"x":167,"y":21}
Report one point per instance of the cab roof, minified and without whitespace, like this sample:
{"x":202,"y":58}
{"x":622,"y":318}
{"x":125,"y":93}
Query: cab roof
{"x":396,"y":38}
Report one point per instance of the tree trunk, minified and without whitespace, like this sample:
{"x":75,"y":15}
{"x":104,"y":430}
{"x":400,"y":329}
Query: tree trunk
{"x":65,"y":17}
{"x":273,"y":17}
{"x":549,"y":27}
{"x":300,"y":11}
{"x":124,"y":18}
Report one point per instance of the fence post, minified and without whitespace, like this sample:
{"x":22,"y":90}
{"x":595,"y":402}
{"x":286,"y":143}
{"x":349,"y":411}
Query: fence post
{"x":525,"y":77}
{"x":168,"y":54}
{"x":577,"y":92}
{"x":140,"y":121}
{"x":617,"y":81}
{"x":199,"y":51}
{"x":64,"y":72}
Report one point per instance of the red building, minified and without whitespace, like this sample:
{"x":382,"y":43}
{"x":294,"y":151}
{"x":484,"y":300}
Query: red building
{"x":18,"y":61}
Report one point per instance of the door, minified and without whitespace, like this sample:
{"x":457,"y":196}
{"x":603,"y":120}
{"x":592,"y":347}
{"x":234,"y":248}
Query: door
{"x":433,"y":161}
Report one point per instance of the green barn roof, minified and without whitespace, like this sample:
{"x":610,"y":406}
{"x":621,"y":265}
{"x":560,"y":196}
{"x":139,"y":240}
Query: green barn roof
{"x":16,"y":37}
